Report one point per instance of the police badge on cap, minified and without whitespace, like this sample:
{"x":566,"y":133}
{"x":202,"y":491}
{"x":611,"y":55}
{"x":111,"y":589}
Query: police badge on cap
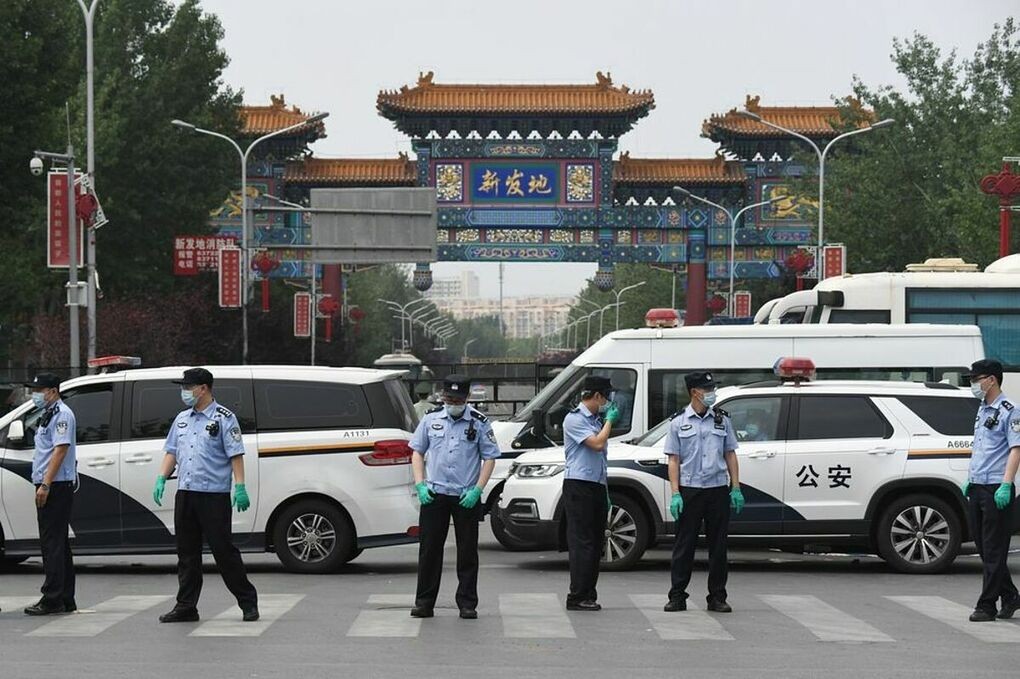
{"x":456,"y":386}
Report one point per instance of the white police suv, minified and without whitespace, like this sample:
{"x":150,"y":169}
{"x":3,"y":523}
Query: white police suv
{"x":327,"y":463}
{"x":824,"y":466}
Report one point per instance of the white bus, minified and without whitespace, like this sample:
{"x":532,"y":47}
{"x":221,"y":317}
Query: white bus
{"x":938,"y":291}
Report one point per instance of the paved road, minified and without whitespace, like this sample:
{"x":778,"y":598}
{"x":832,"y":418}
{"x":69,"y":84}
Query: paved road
{"x":794,"y":617}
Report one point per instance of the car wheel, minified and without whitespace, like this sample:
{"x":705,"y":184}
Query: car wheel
{"x":627,"y":534}
{"x":508,"y":542}
{"x":313,"y":536}
{"x":919,"y":534}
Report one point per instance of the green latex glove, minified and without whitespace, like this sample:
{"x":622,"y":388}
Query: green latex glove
{"x":676,"y":506}
{"x":965,"y":488}
{"x":609,"y":501}
{"x":736,"y":500}
{"x":425,"y":496}
{"x":470,"y":497}
{"x":241,"y":500}
{"x":157,"y":492}
{"x":1003,"y":495}
{"x":612,"y":415}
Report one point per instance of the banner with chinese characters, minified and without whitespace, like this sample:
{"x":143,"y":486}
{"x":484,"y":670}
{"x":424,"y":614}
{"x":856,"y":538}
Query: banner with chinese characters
{"x":230,"y":277}
{"x":199,"y":254}
{"x":515,"y":182}
{"x":58,"y":246}
{"x":834,"y":260}
{"x":302,"y":314}
{"x":741,"y":304}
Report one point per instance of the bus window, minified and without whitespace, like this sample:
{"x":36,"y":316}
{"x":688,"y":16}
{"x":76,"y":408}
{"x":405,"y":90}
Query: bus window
{"x":995,"y":311}
{"x":859,"y":316}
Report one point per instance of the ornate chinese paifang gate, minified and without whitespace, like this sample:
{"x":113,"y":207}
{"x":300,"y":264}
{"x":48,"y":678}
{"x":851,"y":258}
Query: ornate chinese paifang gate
{"x":531,"y":173}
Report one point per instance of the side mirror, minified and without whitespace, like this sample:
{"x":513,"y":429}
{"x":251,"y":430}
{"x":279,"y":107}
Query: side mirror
{"x":16,"y":431}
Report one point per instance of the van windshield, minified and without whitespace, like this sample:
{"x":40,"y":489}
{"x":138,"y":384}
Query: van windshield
{"x":541,"y":398}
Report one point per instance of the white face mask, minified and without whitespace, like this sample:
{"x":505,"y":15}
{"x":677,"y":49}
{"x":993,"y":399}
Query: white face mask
{"x":708,"y":398}
{"x":979,"y":393}
{"x":455,"y":410}
{"x":188,"y":397}
{"x":39,"y":399}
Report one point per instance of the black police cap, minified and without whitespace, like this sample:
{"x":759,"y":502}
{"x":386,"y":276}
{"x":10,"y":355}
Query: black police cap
{"x":986,"y":366}
{"x":195,"y":376}
{"x":699,"y":380}
{"x":457,"y":386}
{"x":597,"y":383}
{"x":44,"y":381}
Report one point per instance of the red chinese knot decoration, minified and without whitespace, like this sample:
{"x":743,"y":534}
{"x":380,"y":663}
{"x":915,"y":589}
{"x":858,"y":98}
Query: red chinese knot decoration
{"x":800,"y":262}
{"x":716,"y":304}
{"x":265,"y":263}
{"x":1005,"y":186}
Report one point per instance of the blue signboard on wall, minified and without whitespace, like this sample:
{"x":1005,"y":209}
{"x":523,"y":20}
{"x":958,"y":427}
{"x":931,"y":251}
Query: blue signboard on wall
{"x":515,"y":182}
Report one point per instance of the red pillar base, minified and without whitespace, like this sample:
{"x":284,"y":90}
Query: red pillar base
{"x":697,"y":314}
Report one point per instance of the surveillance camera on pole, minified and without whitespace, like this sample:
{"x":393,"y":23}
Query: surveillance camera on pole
{"x":35,"y":166}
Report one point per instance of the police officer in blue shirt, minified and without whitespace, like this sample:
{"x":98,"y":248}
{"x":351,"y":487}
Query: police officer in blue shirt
{"x":454,"y":452}
{"x":703,"y":474}
{"x":586,"y":503}
{"x":205,"y":445}
{"x":994,"y":460}
{"x":54,"y":468}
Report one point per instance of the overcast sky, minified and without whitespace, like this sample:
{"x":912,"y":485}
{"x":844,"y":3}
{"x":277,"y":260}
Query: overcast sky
{"x":698,"y":57}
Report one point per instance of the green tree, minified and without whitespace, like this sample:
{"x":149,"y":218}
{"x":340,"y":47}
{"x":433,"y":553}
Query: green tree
{"x":911,"y":192}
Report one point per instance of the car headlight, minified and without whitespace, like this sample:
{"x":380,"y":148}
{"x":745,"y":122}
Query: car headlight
{"x":537,"y":471}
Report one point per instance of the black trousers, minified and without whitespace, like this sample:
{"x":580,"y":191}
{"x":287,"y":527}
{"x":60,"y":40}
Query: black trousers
{"x":990,"y":528}
{"x":58,"y":563}
{"x":434,"y":524}
{"x":710,"y":506}
{"x":206,"y":516}
{"x":584,"y":505}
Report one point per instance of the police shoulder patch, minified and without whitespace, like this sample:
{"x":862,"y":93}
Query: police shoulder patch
{"x":478,"y":416}
{"x":62,"y":428}
{"x":437,"y":409}
{"x":1014,"y":425}
{"x":235,"y":433}
{"x":491,"y":435}
{"x":224,"y":412}
{"x":1007,"y":405}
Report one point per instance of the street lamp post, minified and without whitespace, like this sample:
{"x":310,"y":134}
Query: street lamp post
{"x":602,"y":314}
{"x":89,"y":14}
{"x":618,"y":295}
{"x":734,"y":218}
{"x":243,"y":155}
{"x":402,"y":308}
{"x":587,"y":327}
{"x":821,"y":153}
{"x":466,"y":345}
{"x":413,"y":316}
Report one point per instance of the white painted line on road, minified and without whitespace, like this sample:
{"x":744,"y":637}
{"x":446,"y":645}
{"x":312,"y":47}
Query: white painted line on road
{"x":393,"y":620}
{"x":535,"y":616}
{"x":689,"y":625}
{"x":11,"y":604}
{"x":824,"y":621}
{"x":104,"y":616}
{"x":955,"y":615}
{"x":229,"y":622}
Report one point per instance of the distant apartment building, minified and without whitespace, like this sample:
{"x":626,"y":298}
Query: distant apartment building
{"x":464,"y":286}
{"x":522,"y":316}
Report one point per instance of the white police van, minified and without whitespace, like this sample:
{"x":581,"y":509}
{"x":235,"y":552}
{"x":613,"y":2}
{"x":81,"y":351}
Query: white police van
{"x":327,"y":463}
{"x":833,"y":466}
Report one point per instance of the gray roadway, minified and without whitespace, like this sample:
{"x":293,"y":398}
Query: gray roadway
{"x":794,"y":616}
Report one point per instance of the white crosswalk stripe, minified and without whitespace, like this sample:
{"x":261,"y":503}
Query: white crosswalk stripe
{"x":229,"y":622}
{"x":534,"y":616}
{"x":89,"y":623}
{"x":824,"y":621}
{"x":955,"y":615}
{"x":689,"y":625}
{"x":391,"y":619}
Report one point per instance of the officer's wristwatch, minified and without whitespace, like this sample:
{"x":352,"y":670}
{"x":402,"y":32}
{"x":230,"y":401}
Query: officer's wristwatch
{"x":45,"y":486}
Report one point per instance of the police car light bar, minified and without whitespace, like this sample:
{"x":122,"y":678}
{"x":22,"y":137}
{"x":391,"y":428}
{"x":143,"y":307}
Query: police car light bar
{"x":793,"y":369}
{"x":662,"y":318}
{"x":111,"y":363}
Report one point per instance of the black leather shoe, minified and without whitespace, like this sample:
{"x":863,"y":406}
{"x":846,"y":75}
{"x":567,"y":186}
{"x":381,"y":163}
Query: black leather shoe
{"x":41,"y":607}
{"x":1007,"y":610}
{"x":719,"y":607}
{"x":981,"y":615}
{"x":422,"y":612}
{"x":180,"y":615}
{"x":468,"y":614}
{"x":70,"y":606}
{"x":584,"y":606}
{"x":675,"y":605}
{"x":250,"y":615}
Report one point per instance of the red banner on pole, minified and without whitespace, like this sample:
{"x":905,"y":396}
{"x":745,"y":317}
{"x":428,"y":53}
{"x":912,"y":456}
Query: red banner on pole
{"x":302,"y":314}
{"x":57,"y":234}
{"x":741,"y":304}
{"x":230,"y":277}
{"x":834,"y":258}
{"x":198,"y":254}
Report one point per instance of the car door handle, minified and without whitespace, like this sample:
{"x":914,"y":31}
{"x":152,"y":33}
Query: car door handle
{"x":762,"y":455}
{"x":100,"y":462}
{"x":882,"y":451}
{"x":138,"y":459}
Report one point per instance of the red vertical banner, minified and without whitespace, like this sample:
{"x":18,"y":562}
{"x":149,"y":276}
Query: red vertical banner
{"x":741,"y":304}
{"x":58,"y":245}
{"x":834,"y":260}
{"x":302,"y":314}
{"x":230,"y":278}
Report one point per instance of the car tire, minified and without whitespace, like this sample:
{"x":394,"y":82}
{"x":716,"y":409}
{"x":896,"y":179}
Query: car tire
{"x":919,"y":534}
{"x":627,"y":534}
{"x":314,"y":536}
{"x":508,"y":542}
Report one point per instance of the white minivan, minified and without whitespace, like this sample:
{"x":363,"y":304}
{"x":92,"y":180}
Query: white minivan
{"x":327,"y":463}
{"x":647,"y":367}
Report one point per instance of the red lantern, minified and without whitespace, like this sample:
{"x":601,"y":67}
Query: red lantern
{"x":716,"y":304}
{"x":265,"y":263}
{"x":799,"y":263}
{"x":357,"y":315}
{"x":328,"y":306}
